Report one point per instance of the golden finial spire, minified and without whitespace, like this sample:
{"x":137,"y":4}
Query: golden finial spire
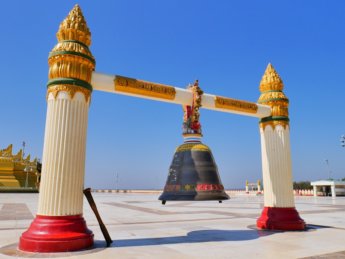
{"x":18,"y":156}
{"x":271,"y":80}
{"x":271,"y":88}
{"x":71,"y":62}
{"x":7,"y":152}
{"x":74,"y":27}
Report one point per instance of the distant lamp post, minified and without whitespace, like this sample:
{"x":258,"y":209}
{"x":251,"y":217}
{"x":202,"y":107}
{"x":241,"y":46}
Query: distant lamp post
{"x":342,"y":140}
{"x":329,"y":169}
{"x":23,"y":144}
{"x":27,"y":169}
{"x":117,"y":182}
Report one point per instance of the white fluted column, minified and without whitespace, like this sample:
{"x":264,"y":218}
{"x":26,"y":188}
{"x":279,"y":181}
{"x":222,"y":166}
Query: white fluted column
{"x":276,"y":167}
{"x":279,"y":211}
{"x":63,"y":163}
{"x":279,"y":207}
{"x":59,"y":225}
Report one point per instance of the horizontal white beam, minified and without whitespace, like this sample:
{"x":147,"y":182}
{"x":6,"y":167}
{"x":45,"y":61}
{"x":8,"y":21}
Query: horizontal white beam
{"x":166,"y":93}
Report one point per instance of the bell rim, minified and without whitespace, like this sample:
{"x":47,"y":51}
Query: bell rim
{"x":192,"y":196}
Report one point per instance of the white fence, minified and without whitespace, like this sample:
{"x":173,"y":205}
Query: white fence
{"x":230,"y":192}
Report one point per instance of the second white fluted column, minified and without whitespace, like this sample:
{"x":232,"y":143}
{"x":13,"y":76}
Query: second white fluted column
{"x":64,"y":156}
{"x":279,"y":207}
{"x":59,"y":225}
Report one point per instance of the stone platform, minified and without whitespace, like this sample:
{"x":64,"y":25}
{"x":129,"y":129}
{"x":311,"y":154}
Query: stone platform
{"x":143,"y":228}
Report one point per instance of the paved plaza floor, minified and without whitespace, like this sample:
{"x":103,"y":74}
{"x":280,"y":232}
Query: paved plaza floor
{"x":143,"y":228}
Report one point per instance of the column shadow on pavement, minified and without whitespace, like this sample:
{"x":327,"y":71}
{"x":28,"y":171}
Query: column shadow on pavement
{"x":199,"y":236}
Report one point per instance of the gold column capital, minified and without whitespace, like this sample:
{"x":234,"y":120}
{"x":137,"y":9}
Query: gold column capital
{"x":71,"y":62}
{"x":74,"y":27}
{"x":271,"y":88}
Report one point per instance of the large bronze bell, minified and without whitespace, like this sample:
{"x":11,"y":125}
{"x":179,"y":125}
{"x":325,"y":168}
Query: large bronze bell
{"x":193,"y":175}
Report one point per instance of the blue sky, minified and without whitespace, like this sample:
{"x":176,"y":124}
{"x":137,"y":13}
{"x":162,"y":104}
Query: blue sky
{"x":225,"y":44}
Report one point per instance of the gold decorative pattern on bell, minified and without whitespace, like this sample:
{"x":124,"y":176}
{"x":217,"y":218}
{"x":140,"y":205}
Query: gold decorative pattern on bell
{"x":74,"y":27}
{"x":187,"y":187}
{"x":193,"y":146}
{"x":271,"y":80}
{"x":70,"y":89}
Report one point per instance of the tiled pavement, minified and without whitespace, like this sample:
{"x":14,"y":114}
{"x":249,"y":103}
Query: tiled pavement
{"x":143,"y":228}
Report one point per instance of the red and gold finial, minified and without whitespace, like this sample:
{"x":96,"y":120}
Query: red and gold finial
{"x":191,"y":124}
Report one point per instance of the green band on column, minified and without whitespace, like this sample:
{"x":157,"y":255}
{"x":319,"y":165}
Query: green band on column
{"x":275,"y":118}
{"x":270,"y":91}
{"x":73,"y":53}
{"x":75,"y":41}
{"x":69,"y":81}
{"x":274,"y":99}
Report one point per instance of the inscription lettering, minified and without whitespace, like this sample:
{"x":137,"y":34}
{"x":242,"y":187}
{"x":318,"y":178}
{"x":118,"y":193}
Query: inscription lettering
{"x":134,"y":86}
{"x":235,"y":105}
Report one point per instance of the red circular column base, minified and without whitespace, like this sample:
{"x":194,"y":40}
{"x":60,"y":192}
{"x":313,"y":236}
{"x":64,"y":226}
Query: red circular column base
{"x":280,"y":219}
{"x":56,"y":234}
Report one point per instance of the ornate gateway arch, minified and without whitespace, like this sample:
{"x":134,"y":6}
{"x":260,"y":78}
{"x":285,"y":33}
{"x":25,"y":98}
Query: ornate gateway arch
{"x":59,"y":224}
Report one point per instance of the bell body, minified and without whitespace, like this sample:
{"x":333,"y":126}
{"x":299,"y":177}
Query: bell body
{"x":193,"y":175}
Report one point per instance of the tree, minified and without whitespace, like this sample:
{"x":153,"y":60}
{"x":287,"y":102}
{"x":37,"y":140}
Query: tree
{"x":304,"y":185}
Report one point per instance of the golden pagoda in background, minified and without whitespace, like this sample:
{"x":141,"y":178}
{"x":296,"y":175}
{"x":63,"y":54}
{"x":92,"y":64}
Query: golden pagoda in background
{"x":18,"y":173}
